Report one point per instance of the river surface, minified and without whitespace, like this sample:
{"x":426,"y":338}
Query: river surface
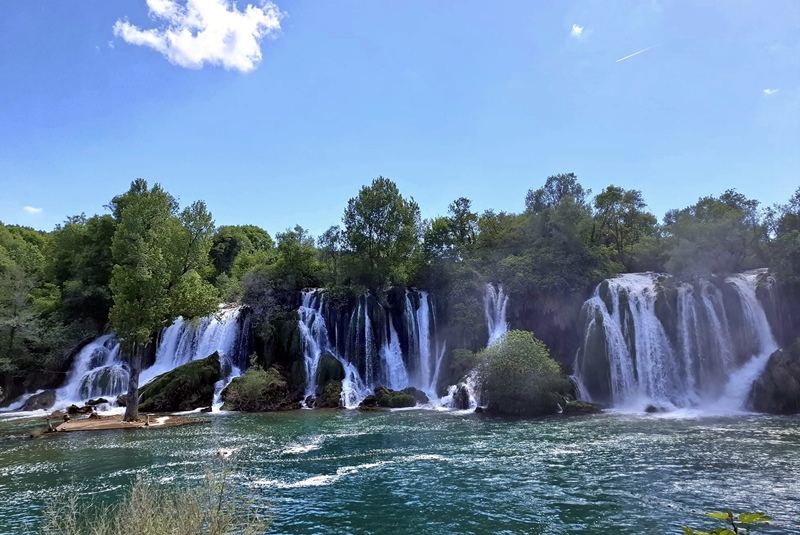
{"x":428,"y":472}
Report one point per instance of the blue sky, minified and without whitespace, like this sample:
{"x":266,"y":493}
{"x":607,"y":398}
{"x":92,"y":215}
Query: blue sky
{"x":447,"y":98}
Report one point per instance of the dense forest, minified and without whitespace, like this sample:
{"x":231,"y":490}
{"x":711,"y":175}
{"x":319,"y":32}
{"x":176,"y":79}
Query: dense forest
{"x":148,"y":260}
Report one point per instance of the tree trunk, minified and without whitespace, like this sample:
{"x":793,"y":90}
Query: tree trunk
{"x":132,"y":399}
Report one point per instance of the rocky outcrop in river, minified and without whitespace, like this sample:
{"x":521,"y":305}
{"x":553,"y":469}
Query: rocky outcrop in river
{"x":777,"y":390}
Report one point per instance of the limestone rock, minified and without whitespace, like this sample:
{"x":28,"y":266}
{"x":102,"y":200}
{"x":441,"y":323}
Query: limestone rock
{"x":185,"y":388}
{"x":42,"y":401}
{"x":777,"y":390}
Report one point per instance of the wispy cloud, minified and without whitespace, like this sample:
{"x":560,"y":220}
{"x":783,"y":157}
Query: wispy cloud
{"x":577,"y":31}
{"x":635,"y":53}
{"x":32,"y":210}
{"x":770,"y":92}
{"x":206,"y":31}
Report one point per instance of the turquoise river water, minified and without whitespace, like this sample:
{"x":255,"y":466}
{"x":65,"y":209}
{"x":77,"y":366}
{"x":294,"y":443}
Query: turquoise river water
{"x":428,"y":472}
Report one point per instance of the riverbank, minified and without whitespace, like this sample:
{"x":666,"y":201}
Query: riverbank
{"x":106,"y":423}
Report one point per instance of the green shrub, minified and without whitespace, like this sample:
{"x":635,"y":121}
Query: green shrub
{"x":257,"y":390}
{"x":520,"y":378}
{"x":212,"y":508}
{"x":734,"y":523}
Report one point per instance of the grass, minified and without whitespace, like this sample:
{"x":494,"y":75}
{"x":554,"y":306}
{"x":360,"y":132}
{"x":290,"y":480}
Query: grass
{"x":211,"y":507}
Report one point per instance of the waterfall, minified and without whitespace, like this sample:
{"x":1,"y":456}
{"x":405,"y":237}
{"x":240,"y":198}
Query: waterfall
{"x":96,"y":372}
{"x":649,"y":339}
{"x":100,"y":371}
{"x":495,"y":302}
{"x":373,"y":354}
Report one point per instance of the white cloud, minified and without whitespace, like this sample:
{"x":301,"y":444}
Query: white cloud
{"x":32,"y":210}
{"x":769,"y":92}
{"x":577,"y":31}
{"x":206,"y":31}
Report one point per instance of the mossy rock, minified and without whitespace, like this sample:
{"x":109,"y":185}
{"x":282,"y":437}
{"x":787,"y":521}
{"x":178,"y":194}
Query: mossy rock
{"x":331,"y":397}
{"x":580,"y":407}
{"x":418,"y":395}
{"x":390,"y":399}
{"x":257,"y":390}
{"x":777,"y":390}
{"x":397,"y":400}
{"x":329,"y":369}
{"x":461,"y":398}
{"x":185,"y":388}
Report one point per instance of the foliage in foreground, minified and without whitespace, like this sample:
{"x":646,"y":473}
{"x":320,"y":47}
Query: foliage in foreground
{"x":735,"y":523}
{"x":208,"y":508}
{"x":520,"y":378}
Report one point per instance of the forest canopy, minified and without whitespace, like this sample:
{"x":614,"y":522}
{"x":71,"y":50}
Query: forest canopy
{"x":61,"y":286}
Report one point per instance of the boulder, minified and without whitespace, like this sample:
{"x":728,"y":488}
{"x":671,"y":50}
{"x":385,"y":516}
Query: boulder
{"x":74,"y":409}
{"x":580,"y":407}
{"x":461,"y":397}
{"x":777,"y":390}
{"x":185,"y":388}
{"x":122,"y":400}
{"x":96,"y":402}
{"x":655,"y":409}
{"x":390,"y":399}
{"x":331,"y":397}
{"x":418,"y":395}
{"x":40,"y":402}
{"x":258,"y":390}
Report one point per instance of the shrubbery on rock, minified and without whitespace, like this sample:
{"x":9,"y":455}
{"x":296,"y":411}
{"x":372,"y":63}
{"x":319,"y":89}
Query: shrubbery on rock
{"x":520,"y":378}
{"x":257,"y":390}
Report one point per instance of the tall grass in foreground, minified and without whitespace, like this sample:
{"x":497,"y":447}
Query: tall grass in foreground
{"x":208,"y":507}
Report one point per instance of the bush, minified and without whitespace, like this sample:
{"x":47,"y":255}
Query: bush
{"x":209,"y":508}
{"x":257,"y":390}
{"x":520,"y":378}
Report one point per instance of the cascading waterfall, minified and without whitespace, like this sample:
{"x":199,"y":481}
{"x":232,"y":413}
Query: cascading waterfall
{"x":96,"y":372}
{"x":652,"y":340}
{"x":374,"y":352}
{"x":99,"y":370}
{"x":495,"y":302}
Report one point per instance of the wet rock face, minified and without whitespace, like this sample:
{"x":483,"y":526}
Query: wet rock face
{"x":777,"y":390}
{"x":185,"y":388}
{"x":39,"y":402}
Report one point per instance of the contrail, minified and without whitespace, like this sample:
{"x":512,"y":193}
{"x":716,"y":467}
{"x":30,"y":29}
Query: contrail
{"x":635,"y":53}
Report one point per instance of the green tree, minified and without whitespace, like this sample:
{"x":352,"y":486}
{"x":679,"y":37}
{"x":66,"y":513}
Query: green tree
{"x":157,"y":252}
{"x":80,"y":265}
{"x":382,"y":233}
{"x":231,"y":240}
{"x":621,"y":222}
{"x":556,"y":189}
{"x":21,"y":270}
{"x":297,"y":264}
{"x":716,"y":235}
{"x":783,"y":222}
{"x":518,"y":377}
{"x":330,"y":249}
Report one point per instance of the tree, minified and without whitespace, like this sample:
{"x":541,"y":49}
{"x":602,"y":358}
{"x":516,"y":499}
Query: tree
{"x":463,"y":223}
{"x":330,"y":249}
{"x":297,"y":266}
{"x":622,"y":221}
{"x":230,"y":240}
{"x":715,"y":235}
{"x":519,"y":377}
{"x":157,"y":252}
{"x":556,"y":189}
{"x":783,"y":222}
{"x":382,"y":233}
{"x":81,"y":265}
